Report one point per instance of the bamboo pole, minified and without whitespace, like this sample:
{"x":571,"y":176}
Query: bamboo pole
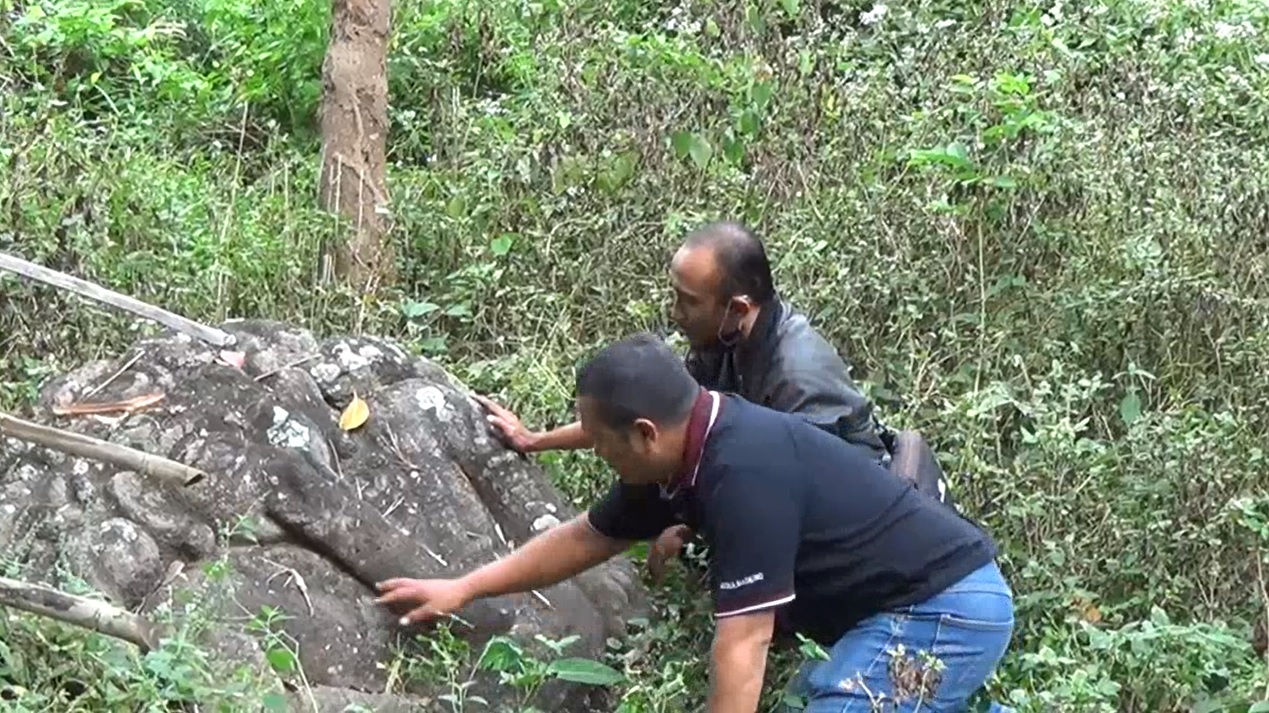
{"x":169,"y":471}
{"x":91,"y":614}
{"x":83,"y":288}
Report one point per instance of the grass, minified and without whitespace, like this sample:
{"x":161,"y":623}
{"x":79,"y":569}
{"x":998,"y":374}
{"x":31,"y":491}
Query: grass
{"x":1037,"y":233}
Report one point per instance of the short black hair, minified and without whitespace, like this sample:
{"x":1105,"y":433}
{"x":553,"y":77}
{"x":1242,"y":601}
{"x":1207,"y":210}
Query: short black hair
{"x":741,"y":256}
{"x":638,"y":377}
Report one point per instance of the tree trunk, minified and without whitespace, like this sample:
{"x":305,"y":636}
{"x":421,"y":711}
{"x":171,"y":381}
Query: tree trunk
{"x":354,"y":125}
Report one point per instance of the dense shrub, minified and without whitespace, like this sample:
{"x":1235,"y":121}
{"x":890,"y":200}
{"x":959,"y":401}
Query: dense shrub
{"x":1038,"y":233}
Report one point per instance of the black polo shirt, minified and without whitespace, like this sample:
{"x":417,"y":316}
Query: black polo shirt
{"x":799,"y":521}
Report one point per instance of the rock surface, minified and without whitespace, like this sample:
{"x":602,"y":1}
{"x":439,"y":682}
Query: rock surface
{"x":308,"y":516}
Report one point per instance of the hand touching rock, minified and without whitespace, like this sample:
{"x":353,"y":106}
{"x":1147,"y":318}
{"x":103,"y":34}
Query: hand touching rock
{"x":427,"y":598}
{"x":508,"y":426}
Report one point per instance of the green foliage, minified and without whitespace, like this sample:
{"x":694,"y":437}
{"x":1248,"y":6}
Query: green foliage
{"x":194,"y":63}
{"x":46,"y":666}
{"x":1037,"y":231}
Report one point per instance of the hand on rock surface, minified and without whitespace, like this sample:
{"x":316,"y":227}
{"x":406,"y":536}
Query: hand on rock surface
{"x":666,"y":548}
{"x":509,"y":426}
{"x":428,"y":598}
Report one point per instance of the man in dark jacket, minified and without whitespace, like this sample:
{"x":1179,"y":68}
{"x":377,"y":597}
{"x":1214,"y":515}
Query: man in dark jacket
{"x":807,"y":535}
{"x":745,"y":340}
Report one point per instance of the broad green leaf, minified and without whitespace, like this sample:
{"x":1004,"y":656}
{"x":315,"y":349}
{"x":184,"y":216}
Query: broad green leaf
{"x":456,"y":207}
{"x":618,"y":172}
{"x":693,"y":146}
{"x":806,"y":62}
{"x":794,"y":701}
{"x":1002,"y":182}
{"x":701,"y":152}
{"x":682,"y":143}
{"x":434,"y":345}
{"x":1130,"y":408}
{"x":761,"y":93}
{"x":755,"y":18}
{"x":501,"y":245}
{"x":749,"y":122}
{"x":579,"y":670}
{"x":282,"y":660}
{"x":501,"y":654}
{"x":414,"y":309}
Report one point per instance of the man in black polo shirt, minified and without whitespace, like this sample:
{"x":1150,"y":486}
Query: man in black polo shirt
{"x":746,"y":340}
{"x":798,"y":524}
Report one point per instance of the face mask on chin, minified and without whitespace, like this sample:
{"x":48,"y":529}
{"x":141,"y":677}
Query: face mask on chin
{"x":729,"y":332}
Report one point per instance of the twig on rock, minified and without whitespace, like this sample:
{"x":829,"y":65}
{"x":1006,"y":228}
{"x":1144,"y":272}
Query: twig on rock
{"x":91,"y":614}
{"x":295,"y":577}
{"x":174,"y":571}
{"x":77,"y":444}
{"x":135,"y":358}
{"x":127,"y":406}
{"x":289,"y":365}
{"x":395,"y":446}
{"x":435,"y":556}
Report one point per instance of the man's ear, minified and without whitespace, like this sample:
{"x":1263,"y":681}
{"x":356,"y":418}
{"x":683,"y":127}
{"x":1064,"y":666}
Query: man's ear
{"x":645,"y":431}
{"x":739,"y":307}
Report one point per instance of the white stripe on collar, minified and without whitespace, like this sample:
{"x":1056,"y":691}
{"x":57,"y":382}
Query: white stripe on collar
{"x":713,"y":416}
{"x":668,"y":493}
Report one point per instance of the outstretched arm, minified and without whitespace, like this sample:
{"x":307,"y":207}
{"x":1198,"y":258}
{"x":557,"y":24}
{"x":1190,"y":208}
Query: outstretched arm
{"x":552,"y":557}
{"x":564,"y":438}
{"x":561,"y":552}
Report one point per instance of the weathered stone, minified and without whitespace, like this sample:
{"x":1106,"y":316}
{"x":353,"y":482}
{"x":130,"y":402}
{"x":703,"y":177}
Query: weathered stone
{"x":308,"y":517}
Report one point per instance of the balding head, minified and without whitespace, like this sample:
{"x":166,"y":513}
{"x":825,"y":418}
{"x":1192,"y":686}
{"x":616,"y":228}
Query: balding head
{"x":721,"y":278}
{"x":740,"y":258}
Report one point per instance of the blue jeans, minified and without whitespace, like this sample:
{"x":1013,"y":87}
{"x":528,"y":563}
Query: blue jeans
{"x":929,"y":657}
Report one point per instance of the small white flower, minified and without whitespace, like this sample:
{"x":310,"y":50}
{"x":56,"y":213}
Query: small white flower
{"x":874,"y":15}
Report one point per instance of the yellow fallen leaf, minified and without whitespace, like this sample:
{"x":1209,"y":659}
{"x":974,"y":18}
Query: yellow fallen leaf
{"x":355,"y":414}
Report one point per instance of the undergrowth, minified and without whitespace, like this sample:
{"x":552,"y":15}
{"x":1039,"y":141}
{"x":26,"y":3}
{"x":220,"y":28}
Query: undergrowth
{"x":1037,"y":231}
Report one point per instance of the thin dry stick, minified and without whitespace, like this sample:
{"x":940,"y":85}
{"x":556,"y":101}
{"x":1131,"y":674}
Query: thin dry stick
{"x":79,"y":611}
{"x":135,"y":358}
{"x":1264,"y":598}
{"x":296,"y":578}
{"x":83,"y":288}
{"x":288,"y":365}
{"x":233,"y":201}
{"x":128,"y":406}
{"x":77,"y":444}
